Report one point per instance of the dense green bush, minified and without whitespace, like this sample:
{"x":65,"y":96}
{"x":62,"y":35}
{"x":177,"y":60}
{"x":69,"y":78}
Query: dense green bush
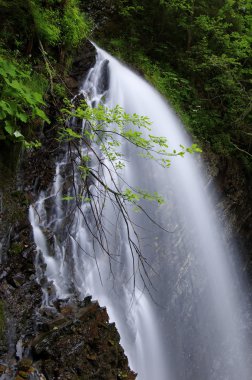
{"x":46,"y":22}
{"x":59,"y":23}
{"x":35,"y":37}
{"x":20,"y":105}
{"x":75,"y":25}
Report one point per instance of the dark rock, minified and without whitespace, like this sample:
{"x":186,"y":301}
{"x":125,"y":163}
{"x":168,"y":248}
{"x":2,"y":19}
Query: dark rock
{"x":81,"y":342}
{"x":85,"y":58}
{"x":19,"y":279}
{"x":72,"y":84}
{"x":231,"y":187}
{"x":3,"y":274}
{"x":73,"y":339}
{"x":87,"y":300}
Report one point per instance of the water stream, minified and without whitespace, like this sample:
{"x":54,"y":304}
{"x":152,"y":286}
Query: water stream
{"x":191,"y":322}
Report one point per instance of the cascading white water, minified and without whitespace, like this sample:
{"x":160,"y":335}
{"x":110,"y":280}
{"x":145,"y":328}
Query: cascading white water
{"x":196,"y":326}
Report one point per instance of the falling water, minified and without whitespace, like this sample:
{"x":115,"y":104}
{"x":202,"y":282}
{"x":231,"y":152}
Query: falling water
{"x":190,"y":321}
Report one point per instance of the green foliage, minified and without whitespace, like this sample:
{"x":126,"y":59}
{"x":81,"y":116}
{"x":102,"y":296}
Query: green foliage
{"x":55,"y":23}
{"x":75,"y":25}
{"x":29,"y":60}
{"x":105,"y":129}
{"x":60,"y":23}
{"x":130,"y":10}
{"x":60,"y":90}
{"x":47,"y":23}
{"x":19,"y":104}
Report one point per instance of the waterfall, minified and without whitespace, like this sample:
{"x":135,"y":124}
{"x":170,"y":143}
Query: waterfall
{"x":191,"y":320}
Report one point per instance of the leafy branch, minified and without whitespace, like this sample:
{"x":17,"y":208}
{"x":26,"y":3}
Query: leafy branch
{"x":95,"y":151}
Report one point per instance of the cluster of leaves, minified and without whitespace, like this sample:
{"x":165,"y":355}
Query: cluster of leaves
{"x":20,"y":105}
{"x":198,"y":54}
{"x":55,"y":22}
{"x":35,"y":36}
{"x":104,"y":131}
{"x":59,"y":23}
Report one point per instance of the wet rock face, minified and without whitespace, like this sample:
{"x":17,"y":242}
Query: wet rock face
{"x":80,"y":344}
{"x":85,"y":58}
{"x":73,"y":339}
{"x":232,"y":187}
{"x":20,"y":294}
{"x":102,"y":13}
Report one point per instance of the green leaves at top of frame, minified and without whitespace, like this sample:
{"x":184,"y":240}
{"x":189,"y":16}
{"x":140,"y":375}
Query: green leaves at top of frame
{"x":59,"y":23}
{"x":46,"y":23}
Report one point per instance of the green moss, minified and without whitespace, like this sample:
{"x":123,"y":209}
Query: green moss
{"x":16,"y":248}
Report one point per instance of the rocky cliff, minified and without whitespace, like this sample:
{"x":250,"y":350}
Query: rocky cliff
{"x":73,"y":339}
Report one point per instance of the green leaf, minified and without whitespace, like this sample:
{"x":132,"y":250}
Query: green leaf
{"x":42,"y":115}
{"x":38,"y":97}
{"x":7,"y":107}
{"x":22,"y":116}
{"x":8,"y":128}
{"x":67,"y":198}
{"x":71,"y":133}
{"x":32,"y":144}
